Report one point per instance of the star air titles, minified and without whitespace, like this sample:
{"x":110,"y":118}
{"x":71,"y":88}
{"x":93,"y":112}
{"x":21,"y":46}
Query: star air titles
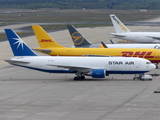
{"x":120,"y":63}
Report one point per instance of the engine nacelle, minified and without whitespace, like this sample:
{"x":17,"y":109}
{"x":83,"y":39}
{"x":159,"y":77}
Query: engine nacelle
{"x":97,"y":73}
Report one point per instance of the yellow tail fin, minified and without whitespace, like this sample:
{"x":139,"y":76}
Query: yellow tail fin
{"x":43,"y":38}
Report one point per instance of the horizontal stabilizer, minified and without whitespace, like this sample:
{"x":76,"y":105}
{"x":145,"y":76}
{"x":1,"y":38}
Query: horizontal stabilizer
{"x":157,"y":38}
{"x":16,"y":62}
{"x":117,"y":35}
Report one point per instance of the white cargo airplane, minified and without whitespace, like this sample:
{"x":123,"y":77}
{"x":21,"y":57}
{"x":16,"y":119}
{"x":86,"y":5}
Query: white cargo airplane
{"x":80,"y":41}
{"x":122,"y":32}
{"x":97,"y":67}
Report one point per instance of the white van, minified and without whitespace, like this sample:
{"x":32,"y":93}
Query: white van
{"x":146,"y":77}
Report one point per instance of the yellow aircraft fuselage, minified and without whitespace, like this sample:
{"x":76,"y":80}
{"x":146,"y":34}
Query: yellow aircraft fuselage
{"x":49,"y":46}
{"x":151,"y":54}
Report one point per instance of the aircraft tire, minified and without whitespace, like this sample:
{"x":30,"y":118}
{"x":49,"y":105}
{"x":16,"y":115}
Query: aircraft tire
{"x":79,"y":78}
{"x":75,"y":78}
{"x":82,"y":77}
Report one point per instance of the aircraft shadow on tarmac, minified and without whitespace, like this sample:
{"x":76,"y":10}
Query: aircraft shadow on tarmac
{"x":105,"y":80}
{"x":65,"y":79}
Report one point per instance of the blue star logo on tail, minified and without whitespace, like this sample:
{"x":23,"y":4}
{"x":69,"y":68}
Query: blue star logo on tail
{"x":19,"y":41}
{"x":19,"y":47}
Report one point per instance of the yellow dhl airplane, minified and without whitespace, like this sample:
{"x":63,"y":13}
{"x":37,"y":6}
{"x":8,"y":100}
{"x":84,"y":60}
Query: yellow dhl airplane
{"x":51,"y":47}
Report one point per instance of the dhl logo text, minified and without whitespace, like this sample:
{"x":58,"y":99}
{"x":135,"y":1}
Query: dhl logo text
{"x":46,"y":40}
{"x":137,"y":54}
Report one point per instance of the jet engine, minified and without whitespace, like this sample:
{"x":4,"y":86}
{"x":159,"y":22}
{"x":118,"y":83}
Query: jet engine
{"x":97,"y":73}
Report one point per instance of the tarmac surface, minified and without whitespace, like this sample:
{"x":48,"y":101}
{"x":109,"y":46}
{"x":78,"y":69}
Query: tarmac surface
{"x":31,"y":95}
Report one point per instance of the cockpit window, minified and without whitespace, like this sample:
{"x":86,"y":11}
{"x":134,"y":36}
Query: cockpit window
{"x":148,"y":62}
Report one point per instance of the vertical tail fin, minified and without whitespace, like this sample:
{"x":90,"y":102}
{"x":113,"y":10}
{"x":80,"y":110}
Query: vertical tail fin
{"x":78,"y":39}
{"x":43,"y":38}
{"x":118,"y":25}
{"x":19,"y":47}
{"x":112,"y":42}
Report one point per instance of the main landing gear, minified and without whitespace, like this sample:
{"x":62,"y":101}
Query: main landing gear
{"x":79,"y":76}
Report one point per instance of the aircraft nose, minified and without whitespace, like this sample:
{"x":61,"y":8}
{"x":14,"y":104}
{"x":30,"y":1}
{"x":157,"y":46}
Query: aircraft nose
{"x":152,"y":66}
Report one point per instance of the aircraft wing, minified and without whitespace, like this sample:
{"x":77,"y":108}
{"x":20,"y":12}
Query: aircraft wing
{"x":157,"y":38}
{"x":16,"y":62}
{"x":42,"y":50}
{"x":76,"y":67}
{"x":117,"y":35}
{"x":95,"y":55}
